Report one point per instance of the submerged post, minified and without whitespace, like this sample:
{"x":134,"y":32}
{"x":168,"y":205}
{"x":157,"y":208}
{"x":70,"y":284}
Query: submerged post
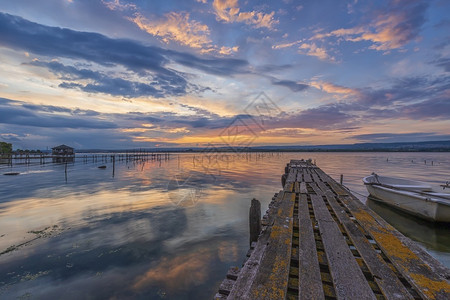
{"x":255,"y":220}
{"x":114,"y":164}
{"x":342,"y":179}
{"x":65,"y":170}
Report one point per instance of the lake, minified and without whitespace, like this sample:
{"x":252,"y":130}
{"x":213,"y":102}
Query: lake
{"x":165,"y":229}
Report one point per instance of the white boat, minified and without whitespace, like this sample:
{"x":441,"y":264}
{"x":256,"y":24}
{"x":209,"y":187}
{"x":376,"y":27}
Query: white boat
{"x":415,"y":197}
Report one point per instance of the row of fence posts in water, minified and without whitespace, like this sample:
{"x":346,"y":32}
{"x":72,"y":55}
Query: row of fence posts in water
{"x":66,"y":159}
{"x":139,"y":156}
{"x":11,"y":159}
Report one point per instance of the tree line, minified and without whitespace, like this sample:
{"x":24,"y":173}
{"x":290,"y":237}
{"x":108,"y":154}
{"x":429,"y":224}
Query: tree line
{"x":7,"y":148}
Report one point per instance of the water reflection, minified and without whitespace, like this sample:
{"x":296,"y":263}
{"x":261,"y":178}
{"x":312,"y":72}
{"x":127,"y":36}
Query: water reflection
{"x":435,"y":237}
{"x":162,"y":229}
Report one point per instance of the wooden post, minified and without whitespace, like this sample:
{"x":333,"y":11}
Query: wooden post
{"x":114,"y":164}
{"x":283,"y":180}
{"x":65,"y":170}
{"x":342,"y":179}
{"x":255,"y":220}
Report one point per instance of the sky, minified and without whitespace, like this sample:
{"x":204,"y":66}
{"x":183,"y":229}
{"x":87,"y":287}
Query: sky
{"x":120,"y":74}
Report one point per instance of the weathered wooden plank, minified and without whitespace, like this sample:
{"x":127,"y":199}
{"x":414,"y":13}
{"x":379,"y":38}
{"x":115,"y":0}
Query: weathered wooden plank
{"x":271,"y":212}
{"x":338,"y":189}
{"x":422,"y":271}
{"x":241,"y":288}
{"x":323,"y":187}
{"x":296,"y":187}
{"x":300,"y":176}
{"x":226,"y":286}
{"x":307,"y":177}
{"x":233,"y":273}
{"x":388,"y":282}
{"x":348,"y":279}
{"x":310,"y":282}
{"x":289,"y":187}
{"x":315,"y":177}
{"x":292,"y":176}
{"x":272,"y":279}
{"x":303,"y":188}
{"x":323,"y":176}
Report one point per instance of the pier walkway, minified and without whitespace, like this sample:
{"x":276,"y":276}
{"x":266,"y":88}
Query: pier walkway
{"x":318,"y":241}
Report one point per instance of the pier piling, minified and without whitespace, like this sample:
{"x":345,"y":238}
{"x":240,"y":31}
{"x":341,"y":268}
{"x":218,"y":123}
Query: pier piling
{"x":255,"y":220}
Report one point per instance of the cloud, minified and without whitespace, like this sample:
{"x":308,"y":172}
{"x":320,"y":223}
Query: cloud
{"x":147,"y":61}
{"x":176,"y":27}
{"x":333,"y":88}
{"x":215,"y":66}
{"x":390,"y":29}
{"x":228,"y":50}
{"x":443,"y":63}
{"x":286,"y":45}
{"x":99,"y":82}
{"x":292,"y":85}
{"x":116,"y":5}
{"x":410,"y":98}
{"x":18,"y":33}
{"x":229,"y":11}
{"x":313,"y":50}
{"x":324,"y":117}
{"x":405,"y":91}
{"x":15,"y":113}
{"x":437,"y":107}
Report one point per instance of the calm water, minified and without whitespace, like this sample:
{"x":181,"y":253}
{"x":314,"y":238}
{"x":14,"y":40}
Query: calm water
{"x":165,"y":229}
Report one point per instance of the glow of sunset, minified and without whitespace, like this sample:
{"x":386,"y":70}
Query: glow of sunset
{"x":120,"y":74}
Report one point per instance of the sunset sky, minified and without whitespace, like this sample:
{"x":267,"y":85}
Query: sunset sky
{"x":117,"y":74}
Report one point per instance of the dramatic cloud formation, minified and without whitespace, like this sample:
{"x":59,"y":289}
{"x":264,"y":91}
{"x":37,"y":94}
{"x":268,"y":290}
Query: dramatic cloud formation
{"x":229,"y":11}
{"x":177,"y":27}
{"x":151,"y":62}
{"x":121,"y":74}
{"x":390,"y":29}
{"x":12,"y":112}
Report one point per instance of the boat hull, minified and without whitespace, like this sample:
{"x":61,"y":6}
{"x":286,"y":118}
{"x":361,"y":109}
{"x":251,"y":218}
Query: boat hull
{"x":410,"y":202}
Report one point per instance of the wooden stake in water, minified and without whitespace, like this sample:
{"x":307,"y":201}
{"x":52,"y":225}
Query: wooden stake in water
{"x":342,"y":179}
{"x":114,"y":164}
{"x":65,"y":170}
{"x":255,"y":220}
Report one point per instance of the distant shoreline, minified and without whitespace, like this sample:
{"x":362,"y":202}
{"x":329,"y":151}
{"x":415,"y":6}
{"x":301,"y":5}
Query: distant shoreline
{"x":431,"y":146}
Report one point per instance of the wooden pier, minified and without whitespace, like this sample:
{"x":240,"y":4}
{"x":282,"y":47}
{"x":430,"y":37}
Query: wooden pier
{"x":318,"y":241}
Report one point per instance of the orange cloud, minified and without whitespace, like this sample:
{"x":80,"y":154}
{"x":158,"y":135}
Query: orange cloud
{"x":333,"y":89}
{"x":180,"y":28}
{"x":286,"y":45}
{"x":313,"y":50}
{"x":177,"y":27}
{"x":229,"y":11}
{"x":389,"y":30}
